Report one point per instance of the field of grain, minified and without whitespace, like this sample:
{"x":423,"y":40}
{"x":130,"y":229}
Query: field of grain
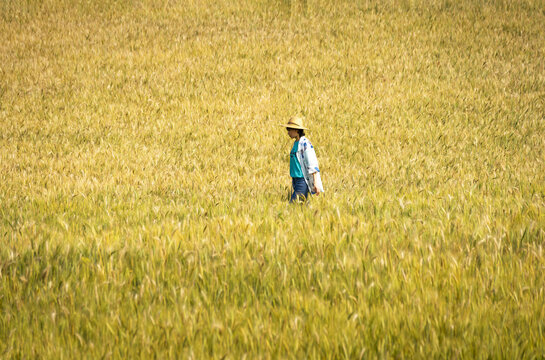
{"x":144,"y":179}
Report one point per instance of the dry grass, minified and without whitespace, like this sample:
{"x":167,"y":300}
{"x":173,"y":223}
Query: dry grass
{"x":144,"y":179}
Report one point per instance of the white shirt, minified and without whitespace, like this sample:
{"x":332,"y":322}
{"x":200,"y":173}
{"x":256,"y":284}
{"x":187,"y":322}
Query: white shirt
{"x":309,"y":164}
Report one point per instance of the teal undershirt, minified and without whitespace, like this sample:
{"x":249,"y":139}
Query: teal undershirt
{"x":295,"y":167}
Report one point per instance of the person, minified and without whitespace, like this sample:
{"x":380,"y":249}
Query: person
{"x":304,"y":169}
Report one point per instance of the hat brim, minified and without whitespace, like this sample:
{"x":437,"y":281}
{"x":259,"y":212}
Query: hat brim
{"x":291,"y":126}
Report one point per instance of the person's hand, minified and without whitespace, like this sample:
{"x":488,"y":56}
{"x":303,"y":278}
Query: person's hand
{"x":315,"y":190}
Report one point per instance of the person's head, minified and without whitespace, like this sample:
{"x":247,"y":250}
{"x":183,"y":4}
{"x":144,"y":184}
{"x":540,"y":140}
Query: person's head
{"x":295,"y":133}
{"x":295,"y":127}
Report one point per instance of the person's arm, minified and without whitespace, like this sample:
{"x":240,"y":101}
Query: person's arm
{"x":315,"y":190}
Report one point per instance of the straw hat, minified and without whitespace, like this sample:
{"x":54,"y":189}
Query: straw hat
{"x":295,"y":122}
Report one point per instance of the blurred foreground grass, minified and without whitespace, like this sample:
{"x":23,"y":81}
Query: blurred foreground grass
{"x":144,"y":179}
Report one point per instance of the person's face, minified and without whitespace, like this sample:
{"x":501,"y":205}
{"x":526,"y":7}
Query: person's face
{"x":292,"y":133}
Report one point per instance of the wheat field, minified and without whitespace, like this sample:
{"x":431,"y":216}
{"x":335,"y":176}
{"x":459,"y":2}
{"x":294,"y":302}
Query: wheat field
{"x":144,"y":179}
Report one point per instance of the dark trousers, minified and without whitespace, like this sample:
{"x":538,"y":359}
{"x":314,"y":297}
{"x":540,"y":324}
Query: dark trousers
{"x":300,"y":189}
